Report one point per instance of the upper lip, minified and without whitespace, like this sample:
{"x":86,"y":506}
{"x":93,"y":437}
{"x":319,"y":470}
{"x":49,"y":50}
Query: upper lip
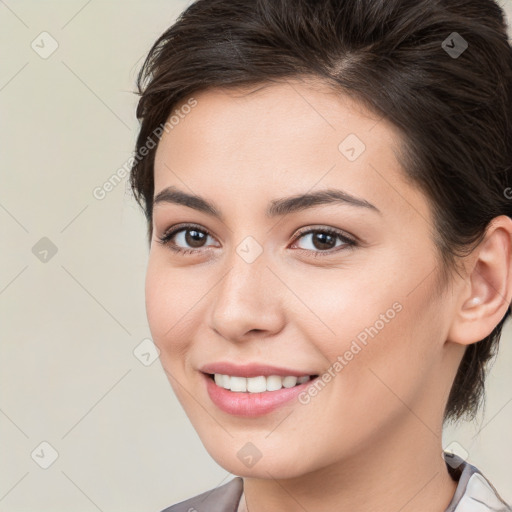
{"x":251,"y":370}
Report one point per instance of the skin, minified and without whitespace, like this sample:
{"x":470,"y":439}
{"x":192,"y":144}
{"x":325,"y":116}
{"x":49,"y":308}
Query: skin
{"x":371,"y":439}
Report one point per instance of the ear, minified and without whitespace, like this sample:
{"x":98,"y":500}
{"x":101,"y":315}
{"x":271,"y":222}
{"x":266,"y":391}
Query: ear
{"x":486,"y":292}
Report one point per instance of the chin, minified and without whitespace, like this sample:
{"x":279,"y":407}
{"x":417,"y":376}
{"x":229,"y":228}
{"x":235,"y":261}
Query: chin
{"x":284,"y":465}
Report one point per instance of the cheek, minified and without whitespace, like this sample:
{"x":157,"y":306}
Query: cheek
{"x":339,"y":305}
{"x":170,"y":300}
{"x":384,"y":326}
{"x":393,"y":356}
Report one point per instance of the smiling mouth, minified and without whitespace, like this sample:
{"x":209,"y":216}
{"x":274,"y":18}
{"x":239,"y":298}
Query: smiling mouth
{"x":259,"y":384}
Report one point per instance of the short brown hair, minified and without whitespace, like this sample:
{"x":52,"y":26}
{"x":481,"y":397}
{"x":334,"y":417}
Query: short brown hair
{"x":397,"y":58}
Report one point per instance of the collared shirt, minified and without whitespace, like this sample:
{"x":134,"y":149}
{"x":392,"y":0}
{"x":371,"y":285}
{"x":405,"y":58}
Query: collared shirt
{"x":474,"y":493}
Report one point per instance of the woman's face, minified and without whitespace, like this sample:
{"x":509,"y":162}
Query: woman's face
{"x":342,"y":285}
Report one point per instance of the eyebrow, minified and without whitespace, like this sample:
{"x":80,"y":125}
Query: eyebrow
{"x":276,"y":208}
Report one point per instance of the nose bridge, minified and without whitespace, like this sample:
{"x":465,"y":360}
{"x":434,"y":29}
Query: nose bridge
{"x":246,"y":279}
{"x":245,"y":298}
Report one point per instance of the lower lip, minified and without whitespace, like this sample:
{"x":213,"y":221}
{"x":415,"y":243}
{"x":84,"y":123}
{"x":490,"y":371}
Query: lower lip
{"x":251,"y":404}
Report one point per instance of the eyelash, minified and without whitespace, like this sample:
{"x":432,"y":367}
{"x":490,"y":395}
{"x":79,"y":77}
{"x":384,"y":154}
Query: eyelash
{"x":169,"y":234}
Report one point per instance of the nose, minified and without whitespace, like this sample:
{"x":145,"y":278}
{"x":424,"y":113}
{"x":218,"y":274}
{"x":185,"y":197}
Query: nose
{"x":248,"y":301}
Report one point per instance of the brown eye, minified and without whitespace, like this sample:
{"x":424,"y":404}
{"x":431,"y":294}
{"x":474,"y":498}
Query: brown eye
{"x":194,"y":238}
{"x":324,"y":240}
{"x":185,"y":239}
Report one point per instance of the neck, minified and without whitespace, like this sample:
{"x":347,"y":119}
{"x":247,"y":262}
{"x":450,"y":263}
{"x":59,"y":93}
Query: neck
{"x":404,"y":472}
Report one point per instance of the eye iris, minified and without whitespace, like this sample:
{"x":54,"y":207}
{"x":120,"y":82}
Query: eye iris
{"x":194,"y":237}
{"x":321,"y":238}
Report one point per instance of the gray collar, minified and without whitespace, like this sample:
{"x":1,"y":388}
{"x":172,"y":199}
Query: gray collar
{"x":474,"y":491}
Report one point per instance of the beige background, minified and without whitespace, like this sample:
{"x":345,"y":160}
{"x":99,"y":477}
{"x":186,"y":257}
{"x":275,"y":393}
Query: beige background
{"x":69,"y":325}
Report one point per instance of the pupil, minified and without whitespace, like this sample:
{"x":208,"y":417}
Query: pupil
{"x":320,"y":237}
{"x":194,"y":237}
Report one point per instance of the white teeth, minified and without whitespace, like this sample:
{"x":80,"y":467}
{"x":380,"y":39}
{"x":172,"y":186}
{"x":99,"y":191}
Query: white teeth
{"x":289,"y":381}
{"x":258,"y":384}
{"x":238,"y":383}
{"x":274,"y":383}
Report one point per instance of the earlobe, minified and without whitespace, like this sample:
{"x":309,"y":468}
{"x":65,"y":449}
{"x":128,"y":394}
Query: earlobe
{"x":485,"y":295}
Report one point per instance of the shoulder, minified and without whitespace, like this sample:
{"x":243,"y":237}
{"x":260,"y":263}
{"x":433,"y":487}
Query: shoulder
{"x":474,"y":492}
{"x":220,"y":499}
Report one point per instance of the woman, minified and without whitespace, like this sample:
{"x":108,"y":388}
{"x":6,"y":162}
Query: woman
{"x":329,"y":218}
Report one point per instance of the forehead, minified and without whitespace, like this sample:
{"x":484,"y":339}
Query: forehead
{"x":281,"y":113}
{"x":291,"y":136}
